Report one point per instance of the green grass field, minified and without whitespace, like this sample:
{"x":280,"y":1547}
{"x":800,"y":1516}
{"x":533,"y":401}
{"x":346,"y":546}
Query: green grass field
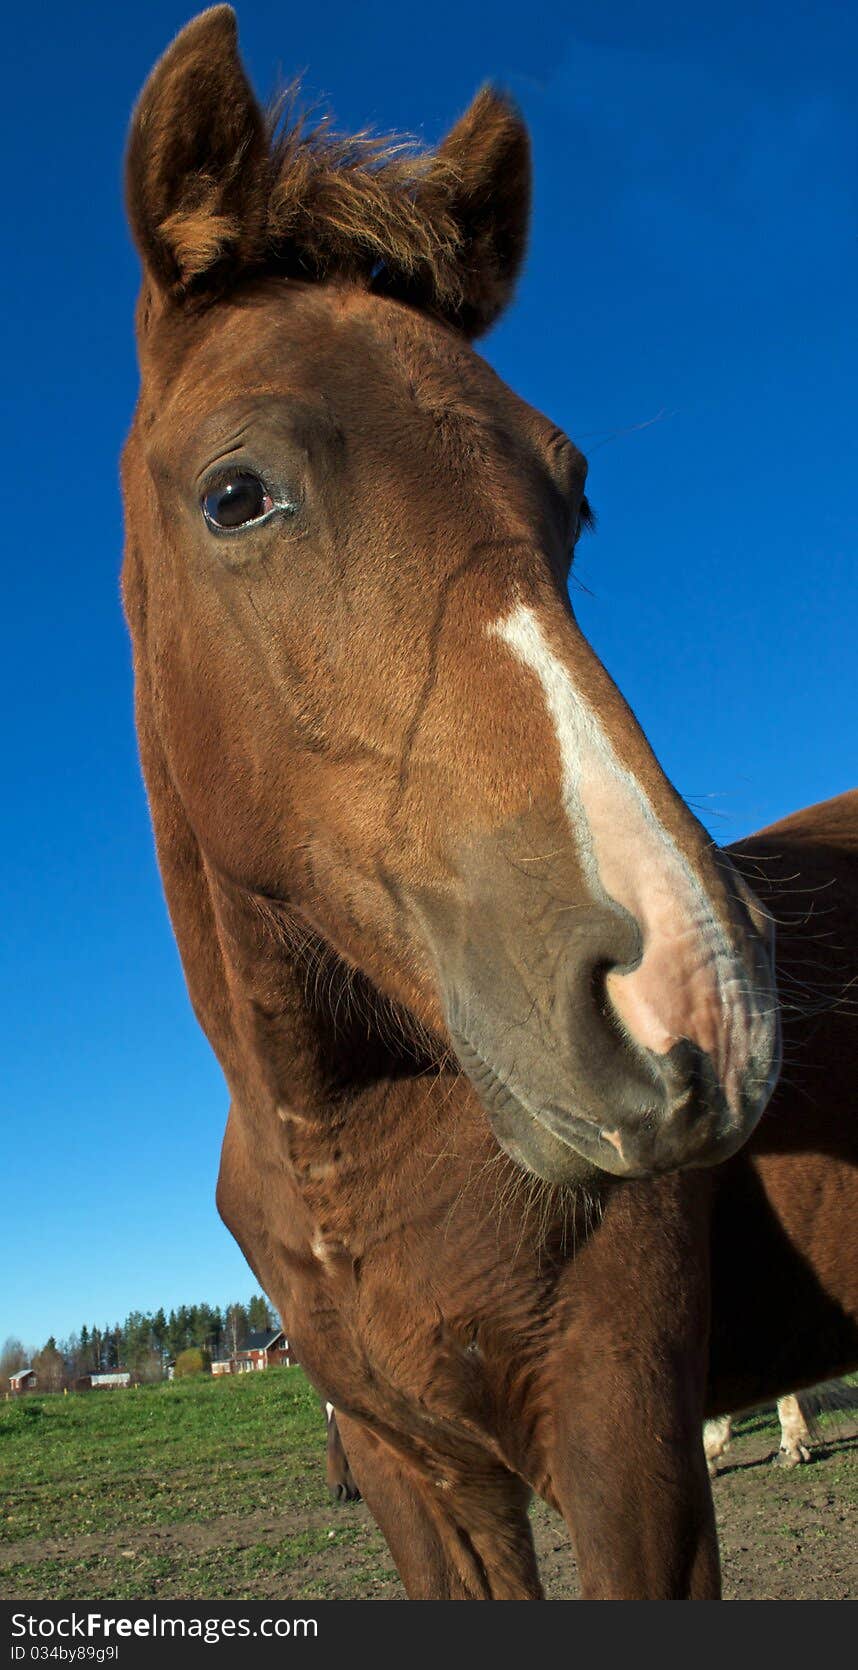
{"x":192,"y":1449}
{"x":198,"y":1488}
{"x":216,"y":1488}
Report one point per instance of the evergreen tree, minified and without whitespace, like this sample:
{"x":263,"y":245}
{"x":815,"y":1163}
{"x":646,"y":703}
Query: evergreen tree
{"x":183,"y":1329}
{"x":207,"y":1328}
{"x":145,"y":1340}
{"x":159,"y":1332}
{"x":217,"y":1328}
{"x":137,"y":1341}
{"x":260,"y":1315}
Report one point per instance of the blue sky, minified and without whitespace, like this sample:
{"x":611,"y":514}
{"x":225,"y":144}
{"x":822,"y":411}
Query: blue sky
{"x":687,"y":314}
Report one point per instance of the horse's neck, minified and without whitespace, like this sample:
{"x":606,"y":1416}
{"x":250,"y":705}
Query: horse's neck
{"x":329,"y":1088}
{"x":368,"y":1138}
{"x":290,"y":1026}
{"x":313,"y":1036}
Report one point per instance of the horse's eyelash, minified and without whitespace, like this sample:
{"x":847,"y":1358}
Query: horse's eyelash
{"x":586,"y":517}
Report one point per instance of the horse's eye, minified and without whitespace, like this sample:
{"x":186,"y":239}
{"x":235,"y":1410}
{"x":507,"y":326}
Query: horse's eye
{"x":236,"y":501}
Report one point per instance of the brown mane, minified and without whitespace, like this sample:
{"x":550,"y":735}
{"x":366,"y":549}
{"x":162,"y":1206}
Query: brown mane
{"x":371,"y":208}
{"x":443,"y":230}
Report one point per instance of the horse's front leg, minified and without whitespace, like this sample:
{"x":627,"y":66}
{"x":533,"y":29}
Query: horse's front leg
{"x":341,"y":1482}
{"x":639,"y":1507}
{"x":464,"y":1537}
{"x":627,"y":1464}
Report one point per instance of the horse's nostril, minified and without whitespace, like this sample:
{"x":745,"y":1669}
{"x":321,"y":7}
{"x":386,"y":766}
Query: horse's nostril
{"x":599,"y":988}
{"x":683,"y":1071}
{"x":690,"y":1085}
{"x":602,"y":1004}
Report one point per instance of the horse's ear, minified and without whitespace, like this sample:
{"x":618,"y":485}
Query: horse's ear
{"x":486,"y":159}
{"x":197,"y":161}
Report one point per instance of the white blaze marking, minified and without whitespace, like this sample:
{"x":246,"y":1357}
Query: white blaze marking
{"x":630,"y":858}
{"x":586,"y":753}
{"x":329,"y":1411}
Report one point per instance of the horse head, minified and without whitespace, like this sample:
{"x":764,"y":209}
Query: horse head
{"x":349,"y":546}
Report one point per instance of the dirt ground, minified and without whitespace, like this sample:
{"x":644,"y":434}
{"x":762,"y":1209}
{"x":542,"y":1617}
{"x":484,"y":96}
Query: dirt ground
{"x":785,"y":1534}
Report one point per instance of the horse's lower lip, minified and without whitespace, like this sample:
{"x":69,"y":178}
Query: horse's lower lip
{"x":649,"y":1148}
{"x":630,"y":1154}
{"x":581,"y":1136}
{"x":681,"y":1134}
{"x":603,"y":1147}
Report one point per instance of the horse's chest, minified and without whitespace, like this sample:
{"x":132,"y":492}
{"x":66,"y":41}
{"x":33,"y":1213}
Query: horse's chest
{"x":390,"y":1343}
{"x":402,"y":1320}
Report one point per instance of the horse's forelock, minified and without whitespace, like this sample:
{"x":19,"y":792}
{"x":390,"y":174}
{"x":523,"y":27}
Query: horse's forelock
{"x":369,"y":207}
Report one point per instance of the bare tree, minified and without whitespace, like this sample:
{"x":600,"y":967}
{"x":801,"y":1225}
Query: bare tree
{"x":236,"y":1328}
{"x":50,"y":1368}
{"x":12,"y":1357}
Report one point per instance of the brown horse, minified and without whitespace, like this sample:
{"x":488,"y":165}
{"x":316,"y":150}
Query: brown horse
{"x":490,"y":1004}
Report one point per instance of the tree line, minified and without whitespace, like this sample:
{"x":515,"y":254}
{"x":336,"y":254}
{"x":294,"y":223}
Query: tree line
{"x":144,"y":1343}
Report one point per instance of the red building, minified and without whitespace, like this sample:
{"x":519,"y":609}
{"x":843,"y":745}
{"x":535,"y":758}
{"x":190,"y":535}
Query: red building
{"x":260,"y":1352}
{"x":23,"y":1381}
